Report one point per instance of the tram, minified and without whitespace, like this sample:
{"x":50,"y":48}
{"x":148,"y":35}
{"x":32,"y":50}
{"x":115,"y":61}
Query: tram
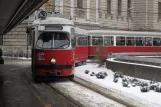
{"x":53,"y":47}
{"x":108,"y":41}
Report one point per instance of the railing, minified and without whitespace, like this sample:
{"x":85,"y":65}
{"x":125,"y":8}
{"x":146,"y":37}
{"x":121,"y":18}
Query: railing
{"x":16,"y":53}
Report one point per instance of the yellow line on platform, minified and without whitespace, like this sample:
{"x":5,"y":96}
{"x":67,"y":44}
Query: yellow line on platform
{"x":42,"y":101}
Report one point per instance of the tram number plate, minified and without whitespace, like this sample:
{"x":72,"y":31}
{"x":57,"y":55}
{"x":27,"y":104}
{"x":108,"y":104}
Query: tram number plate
{"x":52,"y":73}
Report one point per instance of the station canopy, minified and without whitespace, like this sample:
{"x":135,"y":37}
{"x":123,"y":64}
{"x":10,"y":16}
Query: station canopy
{"x":13,"y":12}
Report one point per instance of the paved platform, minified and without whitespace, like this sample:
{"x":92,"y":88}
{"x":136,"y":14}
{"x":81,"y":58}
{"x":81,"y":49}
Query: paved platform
{"x":14,"y":90}
{"x":17,"y":88}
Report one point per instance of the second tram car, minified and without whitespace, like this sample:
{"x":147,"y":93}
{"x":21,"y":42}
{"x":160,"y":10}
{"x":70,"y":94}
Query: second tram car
{"x":122,"y":42}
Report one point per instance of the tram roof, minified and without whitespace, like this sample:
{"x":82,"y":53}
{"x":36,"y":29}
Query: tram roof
{"x":80,"y":31}
{"x":53,"y":20}
{"x":115,"y":32}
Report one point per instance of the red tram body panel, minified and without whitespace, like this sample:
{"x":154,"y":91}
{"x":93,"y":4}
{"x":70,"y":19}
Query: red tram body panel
{"x":81,"y":54}
{"x":94,"y":50}
{"x":64,"y":62}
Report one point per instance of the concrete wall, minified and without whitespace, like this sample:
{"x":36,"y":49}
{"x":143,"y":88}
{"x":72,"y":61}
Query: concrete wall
{"x":145,"y":72}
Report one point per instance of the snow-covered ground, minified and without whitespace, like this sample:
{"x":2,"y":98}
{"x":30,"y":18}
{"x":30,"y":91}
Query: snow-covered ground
{"x":8,"y":57}
{"x":150,"y":97}
{"x":83,"y":96}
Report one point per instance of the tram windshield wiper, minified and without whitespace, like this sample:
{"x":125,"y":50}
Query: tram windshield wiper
{"x":64,"y":46}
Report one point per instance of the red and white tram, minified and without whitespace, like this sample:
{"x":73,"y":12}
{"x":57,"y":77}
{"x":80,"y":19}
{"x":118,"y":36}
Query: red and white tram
{"x":53,"y":50}
{"x":58,"y":45}
{"x":123,"y":41}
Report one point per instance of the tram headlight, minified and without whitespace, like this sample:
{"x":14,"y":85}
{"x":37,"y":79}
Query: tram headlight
{"x":53,"y":61}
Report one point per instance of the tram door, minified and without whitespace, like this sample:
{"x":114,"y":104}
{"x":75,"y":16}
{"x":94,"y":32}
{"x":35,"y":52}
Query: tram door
{"x":73,"y":42}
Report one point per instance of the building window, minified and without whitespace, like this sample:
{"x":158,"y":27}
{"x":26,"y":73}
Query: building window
{"x":119,"y":7}
{"x":109,"y":6}
{"x":159,"y":10}
{"x":79,"y":3}
{"x":1,"y":39}
{"x":99,"y":9}
{"x":129,"y":8}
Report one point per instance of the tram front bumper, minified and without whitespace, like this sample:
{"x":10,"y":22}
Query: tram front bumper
{"x":53,"y":70}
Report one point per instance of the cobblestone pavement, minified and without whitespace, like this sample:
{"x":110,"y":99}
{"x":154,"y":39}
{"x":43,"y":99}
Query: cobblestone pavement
{"x":19,"y":90}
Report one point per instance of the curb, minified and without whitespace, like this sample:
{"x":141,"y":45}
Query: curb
{"x":111,"y":93}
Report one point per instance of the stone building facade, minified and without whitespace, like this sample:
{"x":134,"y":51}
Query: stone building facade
{"x":110,"y":14}
{"x":95,"y":14}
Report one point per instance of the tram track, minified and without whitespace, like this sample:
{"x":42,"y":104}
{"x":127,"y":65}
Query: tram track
{"x":111,"y":94}
{"x":44,"y":91}
{"x":68,"y":98}
{"x":78,"y":94}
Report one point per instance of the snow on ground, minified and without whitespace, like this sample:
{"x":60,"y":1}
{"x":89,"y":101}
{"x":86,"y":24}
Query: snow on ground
{"x":15,"y":57}
{"x":150,"y":97}
{"x":86,"y":97}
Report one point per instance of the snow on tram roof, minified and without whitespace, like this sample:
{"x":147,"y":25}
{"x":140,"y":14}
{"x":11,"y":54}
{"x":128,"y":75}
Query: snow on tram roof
{"x":53,"y":20}
{"x":80,"y":31}
{"x":116,"y":32}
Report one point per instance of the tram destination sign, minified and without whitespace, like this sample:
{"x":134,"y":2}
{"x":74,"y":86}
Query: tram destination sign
{"x":53,"y":27}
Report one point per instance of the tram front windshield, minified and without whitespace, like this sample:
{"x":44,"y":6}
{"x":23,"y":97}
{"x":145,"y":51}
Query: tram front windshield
{"x":53,"y":40}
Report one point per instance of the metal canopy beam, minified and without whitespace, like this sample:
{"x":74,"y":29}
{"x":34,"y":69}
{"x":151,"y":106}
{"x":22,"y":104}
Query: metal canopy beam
{"x":14,"y":12}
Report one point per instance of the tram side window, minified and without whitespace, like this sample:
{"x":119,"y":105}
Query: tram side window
{"x":89,"y":40}
{"x":139,"y":41}
{"x":82,"y":41}
{"x":97,"y":41}
{"x":120,"y":41}
{"x":85,"y":41}
{"x":130,"y":41}
{"x":148,"y":41}
{"x":156,"y":42}
{"x":108,"y":41}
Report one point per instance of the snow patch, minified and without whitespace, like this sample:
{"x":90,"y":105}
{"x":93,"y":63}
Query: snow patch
{"x":150,"y":97}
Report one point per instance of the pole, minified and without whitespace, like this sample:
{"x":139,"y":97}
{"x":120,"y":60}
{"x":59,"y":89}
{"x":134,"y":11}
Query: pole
{"x":27,"y":46}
